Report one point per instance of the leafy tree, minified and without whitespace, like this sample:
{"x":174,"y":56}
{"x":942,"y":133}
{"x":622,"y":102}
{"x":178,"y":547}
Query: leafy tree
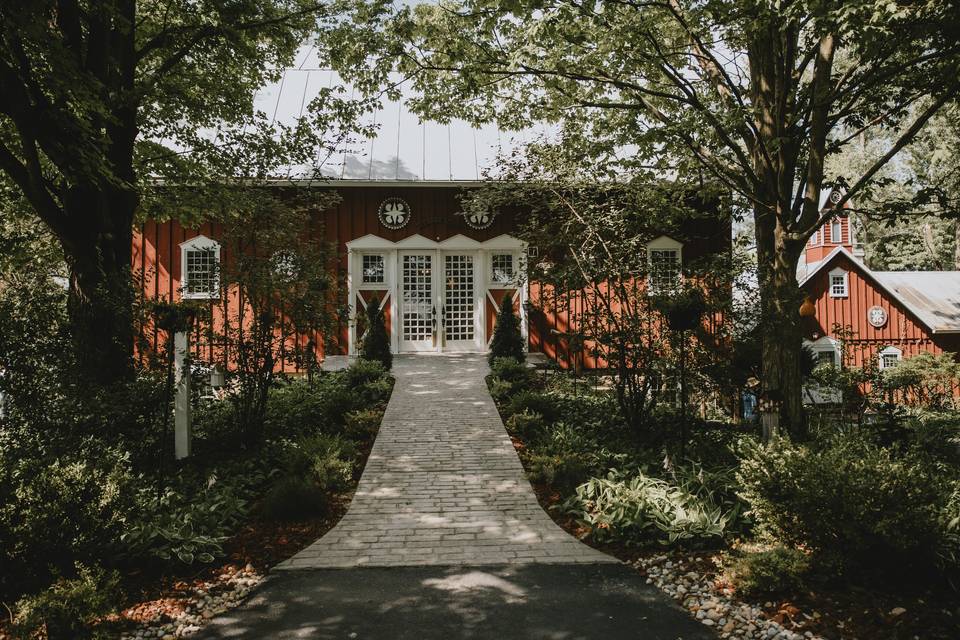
{"x":98,"y":97}
{"x":751,"y":94}
{"x":507,"y":341}
{"x":285,"y":290}
{"x":376,"y":344}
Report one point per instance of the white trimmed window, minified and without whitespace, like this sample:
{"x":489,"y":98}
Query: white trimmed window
{"x":502,"y":268}
{"x":826,"y":350}
{"x":839,"y":281}
{"x":814,"y":238}
{"x":200,"y":268}
{"x":836,"y":231}
{"x":890,"y":357}
{"x":373,"y":269}
{"x":664,"y":259}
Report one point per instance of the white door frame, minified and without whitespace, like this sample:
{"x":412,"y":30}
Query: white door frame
{"x":458,"y":244}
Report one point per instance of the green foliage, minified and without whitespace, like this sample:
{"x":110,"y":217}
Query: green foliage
{"x":288,"y":286}
{"x":781,"y":570}
{"x":294,"y":498}
{"x":867,"y":506}
{"x":91,"y":491}
{"x":192,"y":518}
{"x":513,"y":371}
{"x":531,"y":402}
{"x":68,"y":609}
{"x":362,"y":425}
{"x":375,"y":345}
{"x":326,"y":460}
{"x":363,"y":372}
{"x":636,"y":508}
{"x":563,"y":470}
{"x":507,"y":340}
{"x":526,"y":426}
{"x":925,"y":379}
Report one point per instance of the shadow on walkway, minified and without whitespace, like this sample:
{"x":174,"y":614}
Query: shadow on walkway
{"x":542,"y":602}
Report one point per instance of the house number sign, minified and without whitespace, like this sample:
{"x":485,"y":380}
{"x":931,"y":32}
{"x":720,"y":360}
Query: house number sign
{"x":394,"y":213}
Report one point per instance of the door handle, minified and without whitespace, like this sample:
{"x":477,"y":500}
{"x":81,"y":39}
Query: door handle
{"x":433,"y":316}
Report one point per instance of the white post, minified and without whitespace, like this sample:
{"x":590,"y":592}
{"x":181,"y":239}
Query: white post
{"x":352,"y":300}
{"x":183,"y":434}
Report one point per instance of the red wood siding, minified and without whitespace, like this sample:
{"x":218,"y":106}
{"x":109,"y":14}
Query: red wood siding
{"x":902,"y":330}
{"x":157,"y":261}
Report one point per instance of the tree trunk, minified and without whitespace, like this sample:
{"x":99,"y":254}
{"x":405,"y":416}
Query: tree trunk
{"x":98,"y":249}
{"x":780,"y":318}
{"x":956,"y":245}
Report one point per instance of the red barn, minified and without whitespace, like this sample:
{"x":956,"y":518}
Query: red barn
{"x":889,"y":315}
{"x":440,"y":275}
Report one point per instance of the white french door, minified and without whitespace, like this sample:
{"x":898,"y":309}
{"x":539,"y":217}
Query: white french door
{"x":417,"y":303}
{"x":460,"y":310}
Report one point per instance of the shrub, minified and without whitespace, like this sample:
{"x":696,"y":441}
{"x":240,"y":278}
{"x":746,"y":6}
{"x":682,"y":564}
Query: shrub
{"x":301,"y":407}
{"x":531,"y":402}
{"x":363,"y":372}
{"x":526,"y":426}
{"x":56,"y":511}
{"x":507,"y":340}
{"x":68,"y":609}
{"x":362,"y":425}
{"x":563,"y":471}
{"x":781,"y":570}
{"x":869,"y":506}
{"x":294,"y":498}
{"x":326,"y":460}
{"x":376,"y":345}
{"x":636,"y":508}
{"x":511,"y":370}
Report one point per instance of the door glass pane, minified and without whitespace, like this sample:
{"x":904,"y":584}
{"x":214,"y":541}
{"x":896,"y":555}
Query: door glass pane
{"x":458,"y":298}
{"x":417,"y":287}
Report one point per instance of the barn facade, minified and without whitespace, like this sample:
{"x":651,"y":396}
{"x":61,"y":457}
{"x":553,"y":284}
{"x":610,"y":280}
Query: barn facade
{"x":440,"y":275}
{"x":861,"y":317}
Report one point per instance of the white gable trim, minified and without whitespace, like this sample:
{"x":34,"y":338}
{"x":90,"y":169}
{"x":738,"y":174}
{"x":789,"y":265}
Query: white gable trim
{"x":664,"y":242}
{"x":417,"y":241}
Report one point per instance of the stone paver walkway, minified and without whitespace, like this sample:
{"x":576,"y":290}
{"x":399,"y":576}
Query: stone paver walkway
{"x":443,"y":484}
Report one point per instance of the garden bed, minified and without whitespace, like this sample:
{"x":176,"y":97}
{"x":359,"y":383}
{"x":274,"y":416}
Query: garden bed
{"x":700,"y":572}
{"x":277,"y":497}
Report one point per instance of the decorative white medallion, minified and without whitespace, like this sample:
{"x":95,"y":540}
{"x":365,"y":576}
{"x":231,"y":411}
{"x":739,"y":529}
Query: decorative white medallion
{"x":835,"y":196}
{"x":877,"y":316}
{"x":394,"y":213}
{"x":479,"y":219}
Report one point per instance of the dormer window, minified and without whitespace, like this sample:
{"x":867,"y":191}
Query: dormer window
{"x":664,"y":259}
{"x":838,"y":283}
{"x":200,"y":269}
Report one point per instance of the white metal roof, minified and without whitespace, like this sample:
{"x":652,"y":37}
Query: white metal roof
{"x":934,"y":296}
{"x":405,"y":148}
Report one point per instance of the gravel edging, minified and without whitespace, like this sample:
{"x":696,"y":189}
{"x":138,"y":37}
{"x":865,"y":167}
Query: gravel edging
{"x":712,"y":605}
{"x":209,"y":599}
